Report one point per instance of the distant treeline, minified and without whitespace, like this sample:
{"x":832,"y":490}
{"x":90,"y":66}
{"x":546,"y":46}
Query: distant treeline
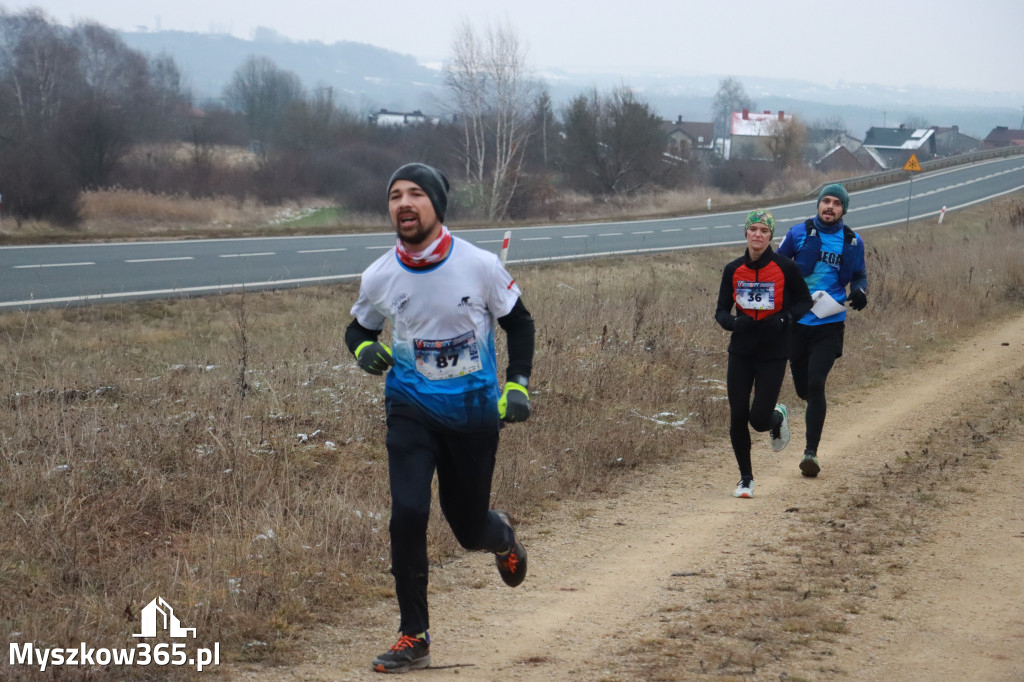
{"x":80,"y":110}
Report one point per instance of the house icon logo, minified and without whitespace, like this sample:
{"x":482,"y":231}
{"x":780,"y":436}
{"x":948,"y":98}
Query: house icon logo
{"x":159,"y":614}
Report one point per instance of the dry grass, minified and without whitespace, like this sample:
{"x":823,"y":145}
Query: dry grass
{"x":226,"y":454}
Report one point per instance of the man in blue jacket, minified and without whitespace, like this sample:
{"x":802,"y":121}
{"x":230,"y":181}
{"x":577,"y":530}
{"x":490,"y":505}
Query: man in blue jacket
{"x":831,"y":258}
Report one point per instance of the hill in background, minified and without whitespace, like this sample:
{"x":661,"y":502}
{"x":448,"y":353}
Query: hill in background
{"x":367,"y":78}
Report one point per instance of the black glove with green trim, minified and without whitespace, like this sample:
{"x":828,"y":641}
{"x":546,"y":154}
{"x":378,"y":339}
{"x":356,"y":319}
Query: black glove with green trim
{"x":514,"y":405}
{"x":374,"y":357}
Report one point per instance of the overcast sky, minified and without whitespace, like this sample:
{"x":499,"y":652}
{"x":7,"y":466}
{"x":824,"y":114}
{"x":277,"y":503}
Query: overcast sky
{"x":973,"y":45}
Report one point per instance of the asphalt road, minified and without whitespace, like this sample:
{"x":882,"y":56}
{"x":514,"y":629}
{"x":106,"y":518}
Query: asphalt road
{"x":75,"y":274}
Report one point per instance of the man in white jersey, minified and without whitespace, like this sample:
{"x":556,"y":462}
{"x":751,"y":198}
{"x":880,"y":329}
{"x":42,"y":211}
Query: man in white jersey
{"x":443,"y":297}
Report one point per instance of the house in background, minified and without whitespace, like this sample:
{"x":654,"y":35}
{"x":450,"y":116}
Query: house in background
{"x":399,"y":118}
{"x":894,"y":146}
{"x":822,"y":142}
{"x":688,"y":136}
{"x":870,"y":159}
{"x":750,"y":134}
{"x":1001,"y":136}
{"x":950,"y":141}
{"x":842,"y":159}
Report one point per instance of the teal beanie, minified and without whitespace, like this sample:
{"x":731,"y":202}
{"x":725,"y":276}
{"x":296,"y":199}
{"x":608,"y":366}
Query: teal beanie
{"x":839,"y":192}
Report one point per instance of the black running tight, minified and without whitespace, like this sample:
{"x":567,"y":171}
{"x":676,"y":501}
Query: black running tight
{"x":764,"y":377}
{"x":810,"y":365}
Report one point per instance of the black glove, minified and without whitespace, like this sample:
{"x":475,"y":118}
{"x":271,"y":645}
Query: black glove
{"x":780,"y":321}
{"x":374,"y":357}
{"x":858,"y":299}
{"x":742,"y":323}
{"x":514,"y":405}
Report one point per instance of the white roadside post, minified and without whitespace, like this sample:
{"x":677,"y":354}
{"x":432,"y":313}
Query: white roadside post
{"x":504,"y":247}
{"x":942,"y":214}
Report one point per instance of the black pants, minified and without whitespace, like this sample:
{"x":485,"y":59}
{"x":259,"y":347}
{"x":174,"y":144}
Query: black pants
{"x":465,"y":464}
{"x":813,"y":351}
{"x":747,"y":373}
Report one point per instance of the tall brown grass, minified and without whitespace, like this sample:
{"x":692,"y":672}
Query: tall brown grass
{"x":226,"y":454}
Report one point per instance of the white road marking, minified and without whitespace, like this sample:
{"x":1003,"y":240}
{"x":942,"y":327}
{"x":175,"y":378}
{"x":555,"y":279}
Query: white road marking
{"x":246,"y":255}
{"x":156,"y":260}
{"x":51,"y":265}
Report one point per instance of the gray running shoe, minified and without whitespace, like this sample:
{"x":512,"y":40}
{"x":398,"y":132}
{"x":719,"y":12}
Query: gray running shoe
{"x":780,"y":434}
{"x":409,"y":653}
{"x":809,"y":465}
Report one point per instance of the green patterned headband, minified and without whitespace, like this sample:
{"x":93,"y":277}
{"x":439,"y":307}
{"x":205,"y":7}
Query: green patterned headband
{"x":760,"y":216}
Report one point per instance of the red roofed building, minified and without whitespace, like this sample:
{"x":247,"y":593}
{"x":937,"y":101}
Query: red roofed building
{"x":749,"y":134}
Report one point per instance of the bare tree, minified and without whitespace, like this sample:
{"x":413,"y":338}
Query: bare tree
{"x":490,"y":85}
{"x":730,"y":97}
{"x":786,"y":141}
{"x":72,"y":103}
{"x":264,"y":93}
{"x":38,"y":73}
{"x":113,"y":104}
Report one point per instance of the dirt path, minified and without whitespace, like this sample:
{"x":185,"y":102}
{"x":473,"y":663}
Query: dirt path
{"x":606,"y":576}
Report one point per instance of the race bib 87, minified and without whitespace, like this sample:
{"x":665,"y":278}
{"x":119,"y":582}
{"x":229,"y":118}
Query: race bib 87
{"x":447,"y":358}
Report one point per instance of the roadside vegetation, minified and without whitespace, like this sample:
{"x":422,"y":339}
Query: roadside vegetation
{"x":226,"y":454}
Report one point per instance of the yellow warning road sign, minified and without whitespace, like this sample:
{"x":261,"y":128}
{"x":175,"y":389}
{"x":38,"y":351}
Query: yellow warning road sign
{"x":912,"y":164}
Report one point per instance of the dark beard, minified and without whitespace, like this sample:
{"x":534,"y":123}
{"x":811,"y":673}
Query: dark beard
{"x":418,"y":238}
{"x":830,"y":221}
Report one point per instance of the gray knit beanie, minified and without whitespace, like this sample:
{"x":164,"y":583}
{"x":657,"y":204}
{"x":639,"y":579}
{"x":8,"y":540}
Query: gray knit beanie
{"x":430,"y":180}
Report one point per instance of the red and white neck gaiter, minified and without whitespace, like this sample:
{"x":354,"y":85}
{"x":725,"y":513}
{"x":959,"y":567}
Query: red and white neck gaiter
{"x":435,"y":253}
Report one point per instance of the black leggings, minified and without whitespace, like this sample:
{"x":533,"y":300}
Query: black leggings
{"x":813,"y":352}
{"x":764,"y":377}
{"x":465,"y":464}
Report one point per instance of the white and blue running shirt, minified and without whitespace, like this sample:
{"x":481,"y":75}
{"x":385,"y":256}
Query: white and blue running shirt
{"x":442,"y":328}
{"x":825,"y":276}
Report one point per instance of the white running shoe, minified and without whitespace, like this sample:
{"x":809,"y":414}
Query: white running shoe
{"x":780,"y":434}
{"x":745,"y":489}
